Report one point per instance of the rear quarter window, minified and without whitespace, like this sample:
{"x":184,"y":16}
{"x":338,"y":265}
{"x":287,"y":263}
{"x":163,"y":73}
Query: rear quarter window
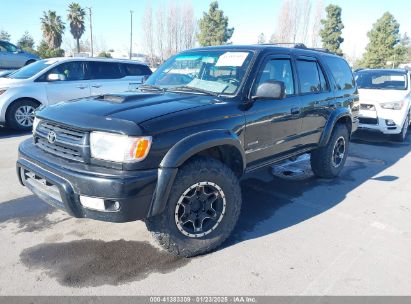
{"x":341,"y":73}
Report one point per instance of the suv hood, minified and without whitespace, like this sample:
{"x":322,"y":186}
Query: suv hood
{"x":121,"y":113}
{"x":378,"y":96}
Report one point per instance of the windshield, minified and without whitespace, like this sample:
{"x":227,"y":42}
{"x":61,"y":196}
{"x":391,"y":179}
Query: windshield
{"x":216,"y":72}
{"x":31,"y":69}
{"x":383,"y":80}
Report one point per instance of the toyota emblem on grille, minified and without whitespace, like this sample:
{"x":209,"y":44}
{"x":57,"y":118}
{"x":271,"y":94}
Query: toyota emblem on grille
{"x":51,"y":137}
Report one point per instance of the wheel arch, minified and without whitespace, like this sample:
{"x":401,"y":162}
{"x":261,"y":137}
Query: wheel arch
{"x":219,"y":144}
{"x":340,"y":116}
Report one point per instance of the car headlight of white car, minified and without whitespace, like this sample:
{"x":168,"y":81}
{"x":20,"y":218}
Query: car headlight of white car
{"x":397,"y":105}
{"x":119,"y":148}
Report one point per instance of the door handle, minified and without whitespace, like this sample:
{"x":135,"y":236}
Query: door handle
{"x":82,"y":87}
{"x":295,"y":111}
{"x":96,"y":86}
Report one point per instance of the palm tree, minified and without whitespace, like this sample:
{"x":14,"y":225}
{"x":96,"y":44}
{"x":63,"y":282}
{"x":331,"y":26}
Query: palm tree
{"x":76,"y":16}
{"x":53,"y":29}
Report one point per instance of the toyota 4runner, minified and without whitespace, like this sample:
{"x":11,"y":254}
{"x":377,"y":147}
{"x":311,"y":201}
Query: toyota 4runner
{"x":172,"y":154}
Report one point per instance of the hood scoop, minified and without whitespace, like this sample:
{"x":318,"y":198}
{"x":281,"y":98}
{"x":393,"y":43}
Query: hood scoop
{"x":123,"y":98}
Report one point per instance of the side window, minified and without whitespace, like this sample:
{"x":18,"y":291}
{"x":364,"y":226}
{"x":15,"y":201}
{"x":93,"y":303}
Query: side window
{"x":9,"y":47}
{"x":309,"y":76}
{"x":279,"y":70}
{"x":341,"y":72}
{"x":71,"y":71}
{"x":105,"y":70}
{"x":2,"y":48}
{"x":136,"y":69}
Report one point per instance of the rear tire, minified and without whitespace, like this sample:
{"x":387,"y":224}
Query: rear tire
{"x":20,"y":115}
{"x":200,"y":183}
{"x":328,"y":161}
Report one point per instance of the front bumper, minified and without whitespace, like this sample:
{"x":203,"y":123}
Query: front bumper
{"x":383,"y":120}
{"x":60,"y":183}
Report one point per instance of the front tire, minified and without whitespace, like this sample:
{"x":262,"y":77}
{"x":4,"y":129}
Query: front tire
{"x":20,"y":115}
{"x":328,"y":161}
{"x":202,"y":210}
{"x":403,"y":135}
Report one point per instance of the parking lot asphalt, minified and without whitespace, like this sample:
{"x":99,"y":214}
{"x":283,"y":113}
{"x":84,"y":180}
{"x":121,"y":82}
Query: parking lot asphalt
{"x":297,"y":235}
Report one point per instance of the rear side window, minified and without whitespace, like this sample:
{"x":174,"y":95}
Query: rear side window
{"x":136,"y":69}
{"x":309,"y":76}
{"x":341,"y":72}
{"x":105,"y":70}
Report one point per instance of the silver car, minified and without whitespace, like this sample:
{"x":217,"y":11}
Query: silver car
{"x":12,"y":57}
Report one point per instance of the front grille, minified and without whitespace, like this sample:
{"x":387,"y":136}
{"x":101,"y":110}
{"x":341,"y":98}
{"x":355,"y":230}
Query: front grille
{"x":368,"y":121}
{"x":69,"y":142}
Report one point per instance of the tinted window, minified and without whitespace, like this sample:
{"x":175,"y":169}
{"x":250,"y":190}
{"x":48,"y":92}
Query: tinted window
{"x":341,"y":72}
{"x":309,"y":76}
{"x":7,"y":47}
{"x":279,"y":70}
{"x":389,"y":80}
{"x":324,"y":84}
{"x":71,"y":71}
{"x":136,"y":69}
{"x":105,"y":70}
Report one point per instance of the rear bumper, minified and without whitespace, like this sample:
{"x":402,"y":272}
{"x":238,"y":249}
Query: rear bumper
{"x":60,"y":183}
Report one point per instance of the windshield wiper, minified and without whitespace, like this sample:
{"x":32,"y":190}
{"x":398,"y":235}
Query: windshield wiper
{"x":193,"y":89}
{"x":150,"y":87}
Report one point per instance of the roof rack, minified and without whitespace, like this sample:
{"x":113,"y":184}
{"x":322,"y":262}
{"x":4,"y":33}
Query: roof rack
{"x":299,"y":45}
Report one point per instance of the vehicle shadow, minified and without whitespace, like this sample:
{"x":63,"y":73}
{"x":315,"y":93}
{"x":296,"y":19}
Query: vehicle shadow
{"x":9,"y":133}
{"x":272,"y":203}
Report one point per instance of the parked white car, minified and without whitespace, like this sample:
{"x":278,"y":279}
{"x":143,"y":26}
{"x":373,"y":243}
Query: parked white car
{"x":385,"y":101}
{"x":49,"y":81}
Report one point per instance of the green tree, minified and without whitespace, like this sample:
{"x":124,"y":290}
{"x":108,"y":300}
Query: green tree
{"x":332,"y":29}
{"x":384,"y":43}
{"x":44,"y":51}
{"x":53,"y":29}
{"x":214,"y":28}
{"x":26,"y":42}
{"x":76,"y":16}
{"x":4,"y":36}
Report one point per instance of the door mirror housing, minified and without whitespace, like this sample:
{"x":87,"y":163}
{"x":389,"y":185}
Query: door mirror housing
{"x":270,"y":89}
{"x":56,"y":77}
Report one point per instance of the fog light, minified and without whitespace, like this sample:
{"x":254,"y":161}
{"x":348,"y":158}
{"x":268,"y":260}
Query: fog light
{"x":92,"y":203}
{"x":389,"y":122}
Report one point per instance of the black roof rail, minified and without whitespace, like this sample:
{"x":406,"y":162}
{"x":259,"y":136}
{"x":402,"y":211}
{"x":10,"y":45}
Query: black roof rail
{"x":299,"y":45}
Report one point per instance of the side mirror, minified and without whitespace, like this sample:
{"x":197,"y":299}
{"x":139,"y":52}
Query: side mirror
{"x":271,"y":89}
{"x":56,"y":77}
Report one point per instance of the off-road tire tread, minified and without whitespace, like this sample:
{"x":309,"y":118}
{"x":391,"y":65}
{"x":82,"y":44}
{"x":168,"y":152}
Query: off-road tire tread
{"x":321,"y":164}
{"x":157,"y":225}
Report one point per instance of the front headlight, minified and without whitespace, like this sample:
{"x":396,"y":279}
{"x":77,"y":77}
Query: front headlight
{"x":36,"y":122}
{"x":2,"y":90}
{"x":392,"y":105}
{"x":119,"y":148}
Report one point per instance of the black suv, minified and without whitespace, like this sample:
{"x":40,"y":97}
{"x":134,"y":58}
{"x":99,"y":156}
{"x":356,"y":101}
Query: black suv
{"x":173,"y":153}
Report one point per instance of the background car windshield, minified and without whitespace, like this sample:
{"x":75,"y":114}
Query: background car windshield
{"x":31,"y":69}
{"x":213,"y":71}
{"x":382,"y":80}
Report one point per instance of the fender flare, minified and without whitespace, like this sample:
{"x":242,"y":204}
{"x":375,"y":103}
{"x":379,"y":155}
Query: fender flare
{"x":182,"y":151}
{"x":332,"y":120}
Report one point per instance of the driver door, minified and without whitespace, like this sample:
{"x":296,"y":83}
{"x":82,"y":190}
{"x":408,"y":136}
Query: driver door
{"x":273,"y":126}
{"x":73,"y":83}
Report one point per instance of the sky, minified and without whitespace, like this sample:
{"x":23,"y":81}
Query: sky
{"x":111,"y":19}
